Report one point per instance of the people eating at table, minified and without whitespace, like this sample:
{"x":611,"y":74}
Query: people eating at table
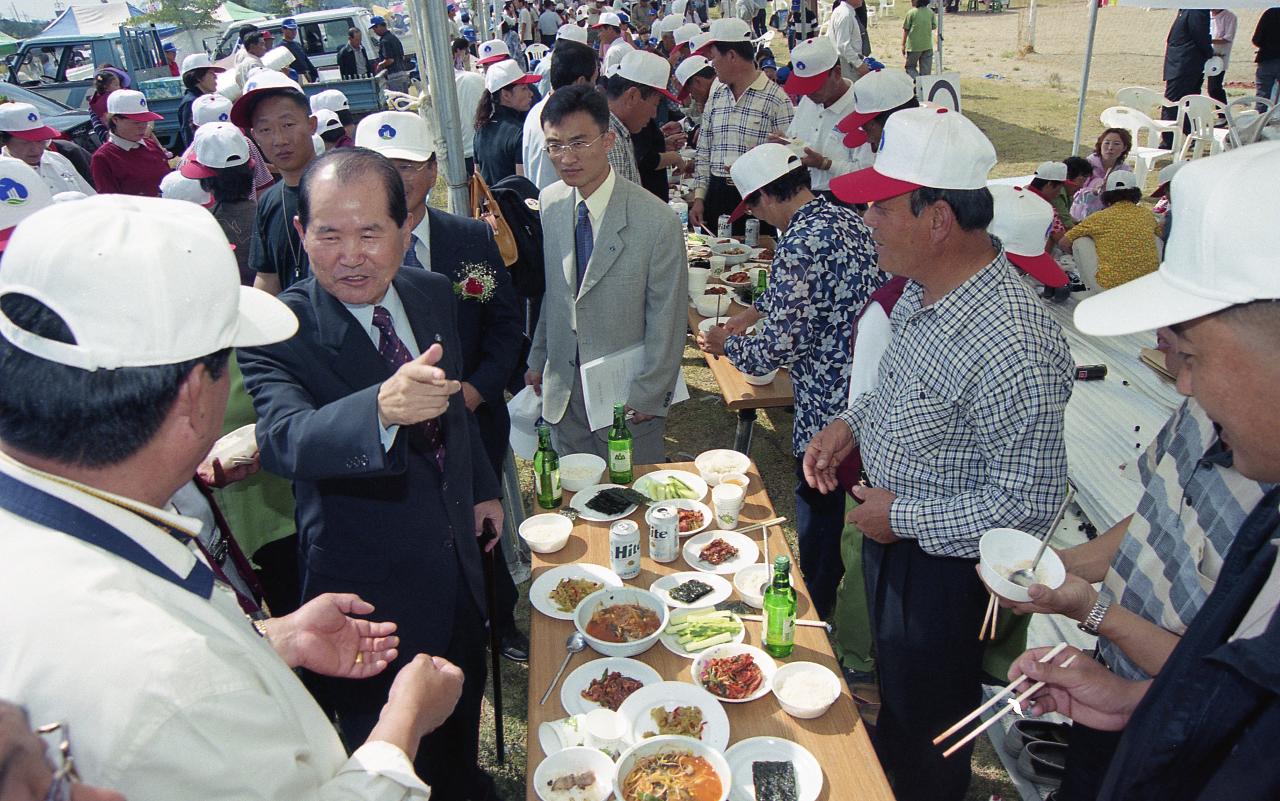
{"x":963,"y":433}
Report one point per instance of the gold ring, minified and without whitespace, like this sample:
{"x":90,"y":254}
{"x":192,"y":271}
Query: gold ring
{"x":359,"y":657}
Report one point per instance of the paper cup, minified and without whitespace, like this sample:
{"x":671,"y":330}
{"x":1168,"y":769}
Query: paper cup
{"x":606,"y":731}
{"x":727,"y":499}
{"x":697,"y":280}
{"x":561,"y":734}
{"x":717,"y":265}
{"x":736,"y":478}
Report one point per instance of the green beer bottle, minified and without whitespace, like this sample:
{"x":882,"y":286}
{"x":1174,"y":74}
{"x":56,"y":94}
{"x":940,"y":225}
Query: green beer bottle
{"x":546,"y":470}
{"x":620,"y":447}
{"x":762,"y":284}
{"x":780,"y":611}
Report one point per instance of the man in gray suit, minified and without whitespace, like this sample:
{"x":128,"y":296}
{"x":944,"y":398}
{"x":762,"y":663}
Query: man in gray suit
{"x":616,"y":277}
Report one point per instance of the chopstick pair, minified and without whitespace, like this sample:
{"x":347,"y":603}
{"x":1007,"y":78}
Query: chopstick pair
{"x":1018,"y":699}
{"x":992,"y":614}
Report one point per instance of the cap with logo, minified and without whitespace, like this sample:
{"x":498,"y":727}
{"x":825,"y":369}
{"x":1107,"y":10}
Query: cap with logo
{"x":331,"y":99}
{"x":933,"y":147}
{"x":210,"y":108}
{"x":492,"y":51}
{"x":23,"y":121}
{"x":261,"y":84}
{"x":1166,"y":175}
{"x":685,"y":33}
{"x":873,"y":94}
{"x":760,"y":166}
{"x":1221,"y":252}
{"x":649,"y":69}
{"x":397,"y":135}
{"x":506,"y":73}
{"x":572,"y":33}
{"x":1121,"y":179}
{"x":811,"y":61}
{"x":688,"y":68}
{"x":289,"y":24}
{"x":1052,"y":171}
{"x":176,"y":186}
{"x":376,"y":20}
{"x":608,"y":18}
{"x":327,"y":120}
{"x":199,"y":61}
{"x":22,"y":193}
{"x":699,"y":42}
{"x":613,"y":58}
{"x":217,"y":146}
{"x":1022,"y":221}
{"x":154,"y":262}
{"x":726,"y":30}
{"x":131,"y":105}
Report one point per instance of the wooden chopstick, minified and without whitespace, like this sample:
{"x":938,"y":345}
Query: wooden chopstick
{"x":817,"y":624}
{"x":995,"y":616}
{"x":770,"y":522}
{"x":991,"y":601}
{"x":1057,"y":649}
{"x":1034,"y":688}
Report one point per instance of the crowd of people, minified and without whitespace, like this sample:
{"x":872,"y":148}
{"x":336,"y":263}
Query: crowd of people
{"x":307,"y":619}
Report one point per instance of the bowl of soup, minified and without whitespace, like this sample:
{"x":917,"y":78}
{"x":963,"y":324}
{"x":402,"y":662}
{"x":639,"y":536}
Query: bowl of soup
{"x":621,"y":621}
{"x":1004,"y":551}
{"x":672,"y":761}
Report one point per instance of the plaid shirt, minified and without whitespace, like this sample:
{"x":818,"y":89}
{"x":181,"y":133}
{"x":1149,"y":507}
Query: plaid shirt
{"x":622,"y":156}
{"x":966,"y":424}
{"x":1193,"y":503}
{"x":732,"y":127}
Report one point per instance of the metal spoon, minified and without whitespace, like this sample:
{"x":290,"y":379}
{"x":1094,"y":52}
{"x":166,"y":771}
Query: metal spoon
{"x":573,"y":645}
{"x":1026,"y":576}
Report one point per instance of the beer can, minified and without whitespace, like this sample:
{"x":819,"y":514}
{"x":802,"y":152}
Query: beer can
{"x":724,"y":228}
{"x":664,"y":533}
{"x":752,"y":236}
{"x":624,"y":549}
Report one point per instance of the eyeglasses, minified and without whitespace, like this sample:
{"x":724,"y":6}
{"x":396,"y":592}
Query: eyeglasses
{"x":58,"y":737}
{"x":556,"y":151}
{"x":410,"y":170}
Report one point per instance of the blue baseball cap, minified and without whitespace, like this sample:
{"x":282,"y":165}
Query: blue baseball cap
{"x":171,"y":47}
{"x":376,"y":21}
{"x":783,"y":74}
{"x":290,"y":24}
{"x":768,"y":64}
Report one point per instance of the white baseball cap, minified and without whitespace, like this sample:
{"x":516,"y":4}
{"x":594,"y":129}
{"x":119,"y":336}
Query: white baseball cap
{"x":1052,"y":171}
{"x":262,"y":83}
{"x":176,"y":186}
{"x":699,"y":42}
{"x":22,"y":193}
{"x":1221,"y":252}
{"x":649,"y":69}
{"x":727,"y":30}
{"x":277,"y":58}
{"x":582,"y":13}
{"x":1121,"y":179}
{"x":667,"y":25}
{"x":23,"y":121}
{"x":199,"y":61}
{"x":934,"y":147}
{"x":131,"y":105}
{"x":811,"y":60}
{"x":608,"y":18}
{"x":217,"y":146}
{"x":613,"y":59}
{"x":506,"y":73}
{"x":1022,"y":221}
{"x":873,"y":94}
{"x":1215,"y":65}
{"x":397,"y":135}
{"x":210,"y":108}
{"x":759,"y":166}
{"x":317,"y":144}
{"x":327,"y":120}
{"x":228,"y":87}
{"x":331,"y":99}
{"x":139,"y":281}
{"x":685,"y":33}
{"x":491,"y":52}
{"x":572,"y":33}
{"x":1166,"y":175}
{"x":68,"y":196}
{"x":688,"y":68}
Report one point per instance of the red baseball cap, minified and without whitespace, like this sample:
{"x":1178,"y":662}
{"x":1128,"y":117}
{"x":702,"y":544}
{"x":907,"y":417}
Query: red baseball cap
{"x":811,"y":62}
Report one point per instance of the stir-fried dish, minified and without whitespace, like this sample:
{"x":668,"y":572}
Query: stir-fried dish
{"x":623,"y":623}
{"x":733,"y":677}
{"x":570,"y":592}
{"x":686,"y":720}
{"x":611,"y":689}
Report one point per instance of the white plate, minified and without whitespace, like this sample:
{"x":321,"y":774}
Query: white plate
{"x":669,"y":695}
{"x":772,"y":749}
{"x":577,"y":681}
{"x":721,"y":589}
{"x":580,"y":499}
{"x":763,"y":661}
{"x":711,"y":322}
{"x":692,"y":480}
{"x":672,"y":643}
{"x":540,"y":590}
{"x":685,"y":503}
{"x":748,"y":551}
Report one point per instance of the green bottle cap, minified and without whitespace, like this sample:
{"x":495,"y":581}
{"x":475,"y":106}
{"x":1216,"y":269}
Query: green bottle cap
{"x":782,"y":563}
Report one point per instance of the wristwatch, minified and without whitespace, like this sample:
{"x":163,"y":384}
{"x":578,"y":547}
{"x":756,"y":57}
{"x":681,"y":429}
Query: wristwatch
{"x":1094,"y":620}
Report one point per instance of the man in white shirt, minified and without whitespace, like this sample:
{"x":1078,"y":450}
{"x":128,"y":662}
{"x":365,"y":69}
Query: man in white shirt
{"x":525,"y":22}
{"x":25,"y":137}
{"x":115,"y":418}
{"x":549,"y":23}
{"x":1222,"y":35}
{"x":846,"y":35}
{"x":572,"y":63}
{"x":470,"y":86}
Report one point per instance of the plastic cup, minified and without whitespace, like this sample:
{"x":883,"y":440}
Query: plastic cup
{"x":606,"y":731}
{"x":697,"y":280}
{"x":558,"y":735}
{"x":727,"y":499}
{"x":717,"y":265}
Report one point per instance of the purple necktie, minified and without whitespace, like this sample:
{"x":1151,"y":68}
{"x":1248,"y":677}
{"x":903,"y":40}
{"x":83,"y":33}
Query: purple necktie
{"x":394,"y":352}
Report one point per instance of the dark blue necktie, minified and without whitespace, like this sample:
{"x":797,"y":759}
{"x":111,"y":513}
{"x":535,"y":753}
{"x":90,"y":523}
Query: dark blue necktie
{"x":411,"y":255}
{"x":583,"y":241}
{"x":393,"y":350}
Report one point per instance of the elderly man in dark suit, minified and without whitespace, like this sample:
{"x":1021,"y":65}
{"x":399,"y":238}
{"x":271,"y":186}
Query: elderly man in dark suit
{"x":362,"y":409}
{"x":1186,"y":49}
{"x":353,"y":59}
{"x":489,"y":320}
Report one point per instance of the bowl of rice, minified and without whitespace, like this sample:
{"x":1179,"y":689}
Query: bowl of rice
{"x":714,"y":465}
{"x":805,"y":689}
{"x":581,"y":470}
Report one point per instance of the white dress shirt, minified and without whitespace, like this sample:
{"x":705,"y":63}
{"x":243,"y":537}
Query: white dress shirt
{"x":167,"y":693}
{"x":421,"y":249}
{"x":59,"y":173}
{"x":400,"y":321}
{"x":846,"y":33}
{"x":123,"y":144}
{"x":538,"y":166}
{"x":815,"y":125}
{"x":597,"y":204}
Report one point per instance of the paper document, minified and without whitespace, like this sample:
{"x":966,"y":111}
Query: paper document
{"x":607,"y":380}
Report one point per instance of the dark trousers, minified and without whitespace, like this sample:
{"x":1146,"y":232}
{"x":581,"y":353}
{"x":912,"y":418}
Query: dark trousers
{"x":723,"y":198}
{"x":1176,"y":89}
{"x":278,"y":573}
{"x":819,"y":526}
{"x":1214,"y":88}
{"x":503,"y":618}
{"x":1088,"y":756}
{"x":925,"y":613}
{"x":549,"y":41}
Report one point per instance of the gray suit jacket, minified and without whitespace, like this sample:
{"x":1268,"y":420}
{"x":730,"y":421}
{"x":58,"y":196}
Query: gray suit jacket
{"x":635,"y":290}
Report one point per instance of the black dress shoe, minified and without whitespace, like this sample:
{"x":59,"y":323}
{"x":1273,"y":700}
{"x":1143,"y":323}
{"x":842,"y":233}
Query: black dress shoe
{"x":515,"y":646}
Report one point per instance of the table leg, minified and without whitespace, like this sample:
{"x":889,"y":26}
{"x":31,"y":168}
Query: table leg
{"x":746,"y":424}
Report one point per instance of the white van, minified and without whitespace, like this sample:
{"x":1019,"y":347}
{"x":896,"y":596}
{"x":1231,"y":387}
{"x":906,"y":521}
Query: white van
{"x":321,"y":33}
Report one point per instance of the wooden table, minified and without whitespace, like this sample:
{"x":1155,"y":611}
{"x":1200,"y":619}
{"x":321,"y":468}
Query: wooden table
{"x":742,"y":397}
{"x":837,"y":739}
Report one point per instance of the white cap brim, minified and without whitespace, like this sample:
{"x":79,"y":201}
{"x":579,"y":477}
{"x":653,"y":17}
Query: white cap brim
{"x":264,"y":320}
{"x":403,"y":153}
{"x":1143,"y":304}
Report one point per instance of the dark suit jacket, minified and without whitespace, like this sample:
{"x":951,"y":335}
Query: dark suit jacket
{"x":491,"y":332}
{"x":301,"y":64}
{"x":347,"y":61}
{"x":383,"y":524}
{"x":1188,"y":46}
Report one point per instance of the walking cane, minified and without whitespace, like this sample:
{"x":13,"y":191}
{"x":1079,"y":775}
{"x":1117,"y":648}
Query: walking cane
{"x":495,"y":640}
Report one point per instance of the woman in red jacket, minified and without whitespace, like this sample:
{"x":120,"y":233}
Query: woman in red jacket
{"x":130,"y":162}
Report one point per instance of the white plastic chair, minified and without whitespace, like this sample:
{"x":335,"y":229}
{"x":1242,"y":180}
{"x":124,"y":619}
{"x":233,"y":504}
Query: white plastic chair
{"x":871,"y":15}
{"x":885,"y":5}
{"x":1149,"y":102}
{"x":536,"y":51}
{"x":1244,"y":122}
{"x":1134,"y":121}
{"x":1201,"y":114}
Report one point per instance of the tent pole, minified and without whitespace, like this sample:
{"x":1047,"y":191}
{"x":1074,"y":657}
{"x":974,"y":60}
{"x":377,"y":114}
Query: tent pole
{"x":430,"y":21}
{"x":942,"y":12}
{"x":1084,"y":76}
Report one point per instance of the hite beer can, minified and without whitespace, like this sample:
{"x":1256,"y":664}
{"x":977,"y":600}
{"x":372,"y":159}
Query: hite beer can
{"x":664,"y":533}
{"x":724,"y":229}
{"x":752,"y":236}
{"x":624,"y":549}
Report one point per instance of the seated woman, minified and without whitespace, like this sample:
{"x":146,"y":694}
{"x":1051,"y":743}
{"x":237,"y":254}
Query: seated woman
{"x":1108,"y":156}
{"x":1123,"y":234}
